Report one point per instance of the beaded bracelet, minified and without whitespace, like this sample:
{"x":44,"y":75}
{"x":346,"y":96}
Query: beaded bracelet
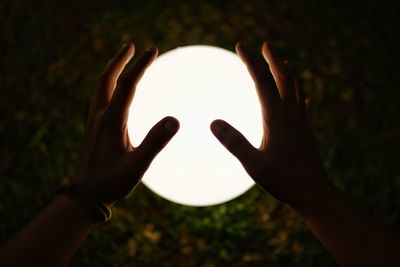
{"x":90,"y":200}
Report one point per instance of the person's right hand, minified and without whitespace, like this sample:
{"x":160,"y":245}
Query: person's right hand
{"x":110,"y":166}
{"x":287,"y":164}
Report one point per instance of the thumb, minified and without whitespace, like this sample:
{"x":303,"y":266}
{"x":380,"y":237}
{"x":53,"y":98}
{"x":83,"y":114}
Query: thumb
{"x":157,"y":138}
{"x":235,"y":142}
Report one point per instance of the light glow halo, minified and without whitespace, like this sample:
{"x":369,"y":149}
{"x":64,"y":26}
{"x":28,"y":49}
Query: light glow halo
{"x":196,"y":84}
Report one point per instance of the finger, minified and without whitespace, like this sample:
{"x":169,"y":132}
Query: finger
{"x":300,"y":99}
{"x":298,"y":90}
{"x":108,"y":78}
{"x":157,"y":138}
{"x":123,"y":94}
{"x":235,"y":142}
{"x":299,"y":95}
{"x":281,"y":74}
{"x":265,"y":84}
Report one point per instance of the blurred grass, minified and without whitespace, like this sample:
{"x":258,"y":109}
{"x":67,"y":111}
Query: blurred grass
{"x":346,"y":56}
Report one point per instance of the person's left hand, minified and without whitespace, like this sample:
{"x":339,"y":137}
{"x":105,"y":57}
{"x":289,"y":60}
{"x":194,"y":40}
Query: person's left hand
{"x":109,"y":164}
{"x":287,"y":164}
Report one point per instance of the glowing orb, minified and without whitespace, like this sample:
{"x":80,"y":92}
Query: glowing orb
{"x":196,"y":85}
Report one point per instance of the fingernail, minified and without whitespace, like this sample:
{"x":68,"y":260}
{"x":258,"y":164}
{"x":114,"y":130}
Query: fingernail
{"x":150,"y":49}
{"x":125,"y":46}
{"x":242,"y":46}
{"x":171,"y":125}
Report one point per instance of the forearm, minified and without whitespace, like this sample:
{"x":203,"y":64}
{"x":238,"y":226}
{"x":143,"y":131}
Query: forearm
{"x":49,"y":239}
{"x":346,"y":230}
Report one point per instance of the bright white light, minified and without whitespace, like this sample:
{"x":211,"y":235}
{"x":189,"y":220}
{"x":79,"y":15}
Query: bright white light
{"x":196,"y":85}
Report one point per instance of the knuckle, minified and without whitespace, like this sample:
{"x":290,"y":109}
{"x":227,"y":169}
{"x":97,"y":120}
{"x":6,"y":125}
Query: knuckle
{"x":141,"y":161}
{"x":255,"y":170}
{"x":256,"y":167}
{"x":235,"y":143}
{"x":158,"y":141}
{"x":105,"y":79}
{"x":108,"y":119}
{"x":126,"y":81}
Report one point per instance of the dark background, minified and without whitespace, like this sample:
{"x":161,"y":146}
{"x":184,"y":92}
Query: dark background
{"x":346,"y":56}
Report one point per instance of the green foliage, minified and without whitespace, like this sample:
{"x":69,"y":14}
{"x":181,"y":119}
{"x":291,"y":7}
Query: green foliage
{"x":346,"y":58}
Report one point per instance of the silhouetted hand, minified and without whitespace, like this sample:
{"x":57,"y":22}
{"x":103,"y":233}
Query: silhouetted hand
{"x":109,"y":164}
{"x":287,"y":164}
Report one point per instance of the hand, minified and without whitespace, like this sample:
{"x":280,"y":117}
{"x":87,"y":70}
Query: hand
{"x":287,"y":164}
{"x":109,"y":164}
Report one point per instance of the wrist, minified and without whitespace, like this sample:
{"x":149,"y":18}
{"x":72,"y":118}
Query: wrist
{"x":89,"y":200}
{"x":74,"y":210}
